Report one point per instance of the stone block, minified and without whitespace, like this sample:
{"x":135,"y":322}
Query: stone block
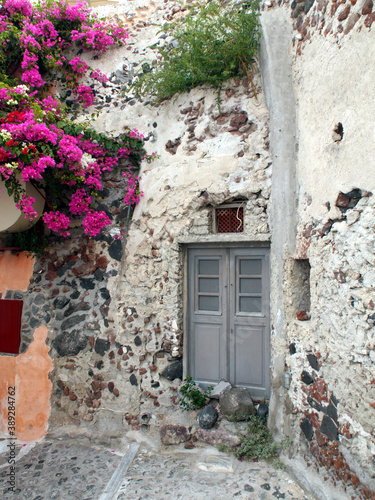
{"x":101,"y":346}
{"x":115,"y":250}
{"x":236,"y":404}
{"x":307,"y":429}
{"x":70,"y":343}
{"x":262,"y":410}
{"x":174,"y":434}
{"x":329,"y":428}
{"x":219,"y":389}
{"x":207,"y":417}
{"x":217,"y":437}
{"x":173,"y":371}
{"x":72,"y":321}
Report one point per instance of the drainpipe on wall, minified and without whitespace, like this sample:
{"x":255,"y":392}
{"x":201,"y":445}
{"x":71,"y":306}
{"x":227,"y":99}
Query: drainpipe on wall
{"x":276,"y":70}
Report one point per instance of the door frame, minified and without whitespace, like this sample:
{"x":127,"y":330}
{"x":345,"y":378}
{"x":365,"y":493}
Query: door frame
{"x":220,"y":245}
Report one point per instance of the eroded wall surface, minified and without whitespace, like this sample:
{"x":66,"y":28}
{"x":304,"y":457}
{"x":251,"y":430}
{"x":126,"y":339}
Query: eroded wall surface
{"x":114,"y":312}
{"x":330,"y":315}
{"x":205,"y":158}
{"x":25,"y":389}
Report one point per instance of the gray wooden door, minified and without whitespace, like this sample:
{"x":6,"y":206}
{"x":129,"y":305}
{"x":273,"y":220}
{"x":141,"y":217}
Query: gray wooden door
{"x":228,"y":316}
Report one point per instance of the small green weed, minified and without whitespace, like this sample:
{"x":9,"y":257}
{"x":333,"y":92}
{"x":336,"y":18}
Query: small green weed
{"x":257,"y":443}
{"x":215,"y":41}
{"x":192,"y":397}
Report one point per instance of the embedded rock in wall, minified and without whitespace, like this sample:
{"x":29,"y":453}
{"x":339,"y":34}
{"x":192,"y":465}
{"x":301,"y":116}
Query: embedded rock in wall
{"x":69,"y":344}
{"x":173,"y":371}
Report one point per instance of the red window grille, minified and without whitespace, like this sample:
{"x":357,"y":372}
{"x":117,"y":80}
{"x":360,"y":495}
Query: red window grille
{"x":229,"y":220}
{"x":10,"y":325}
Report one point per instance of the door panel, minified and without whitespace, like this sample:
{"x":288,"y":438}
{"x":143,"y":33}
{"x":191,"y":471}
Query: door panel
{"x":248,"y":362}
{"x":228,"y":308}
{"x":207,"y":351}
{"x":207,"y":277}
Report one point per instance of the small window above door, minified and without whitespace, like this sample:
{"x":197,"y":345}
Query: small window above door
{"x":229,"y":218}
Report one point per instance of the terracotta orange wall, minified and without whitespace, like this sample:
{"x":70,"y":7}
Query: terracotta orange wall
{"x":15,"y":271}
{"x":28,"y":373}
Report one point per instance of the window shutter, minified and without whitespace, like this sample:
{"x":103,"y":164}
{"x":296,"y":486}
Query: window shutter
{"x":10,"y":325}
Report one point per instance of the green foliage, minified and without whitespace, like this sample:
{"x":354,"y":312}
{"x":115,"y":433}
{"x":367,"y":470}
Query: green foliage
{"x":192,"y":397}
{"x":33,"y":241}
{"x":257,"y":443}
{"x":214,"y":42}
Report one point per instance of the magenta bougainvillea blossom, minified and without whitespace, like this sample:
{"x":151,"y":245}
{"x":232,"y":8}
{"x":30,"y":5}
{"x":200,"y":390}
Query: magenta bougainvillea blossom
{"x":39,"y":38}
{"x":38,"y":146}
{"x":94,"y":222}
{"x":38,"y":143}
{"x":57,"y":222}
{"x":26,"y":206}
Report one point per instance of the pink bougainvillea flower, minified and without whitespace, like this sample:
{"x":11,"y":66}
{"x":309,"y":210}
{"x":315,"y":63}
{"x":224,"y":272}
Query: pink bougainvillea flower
{"x":26,"y":206}
{"x":80,"y":202}
{"x":94,"y":222}
{"x":58,"y":222}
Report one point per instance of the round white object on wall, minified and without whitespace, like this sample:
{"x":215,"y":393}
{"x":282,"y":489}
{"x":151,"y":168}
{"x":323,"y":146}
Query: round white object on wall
{"x":13,"y":220}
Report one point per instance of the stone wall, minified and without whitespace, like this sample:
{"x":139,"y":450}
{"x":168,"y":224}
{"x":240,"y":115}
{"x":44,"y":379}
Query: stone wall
{"x":332,"y":19}
{"x":205,"y":158}
{"x":331,"y":360}
{"x":115,"y":313}
{"x":331,"y":348}
{"x":115,"y":321}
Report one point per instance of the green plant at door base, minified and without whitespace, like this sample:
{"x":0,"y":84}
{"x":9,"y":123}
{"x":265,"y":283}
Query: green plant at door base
{"x":257,"y":443}
{"x":192,"y":397}
{"x":215,"y":41}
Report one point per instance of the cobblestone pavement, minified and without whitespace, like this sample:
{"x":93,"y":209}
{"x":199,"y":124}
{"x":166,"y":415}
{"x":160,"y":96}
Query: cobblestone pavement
{"x":68,"y":470}
{"x":204,"y":474}
{"x":59,"y":470}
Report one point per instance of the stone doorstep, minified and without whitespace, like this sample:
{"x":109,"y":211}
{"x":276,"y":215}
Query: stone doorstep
{"x":213,"y":462}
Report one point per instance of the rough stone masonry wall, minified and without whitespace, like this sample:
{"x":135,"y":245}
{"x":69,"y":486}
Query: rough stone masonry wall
{"x":115,"y":321}
{"x":332,"y":394}
{"x":331,"y":357}
{"x":334,"y":19}
{"x":205,"y":158}
{"x":68,"y":292}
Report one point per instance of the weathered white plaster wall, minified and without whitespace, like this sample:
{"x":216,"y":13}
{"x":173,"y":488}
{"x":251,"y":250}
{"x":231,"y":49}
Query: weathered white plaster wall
{"x":204,"y":159}
{"x":334,"y":84}
{"x":331,"y":360}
